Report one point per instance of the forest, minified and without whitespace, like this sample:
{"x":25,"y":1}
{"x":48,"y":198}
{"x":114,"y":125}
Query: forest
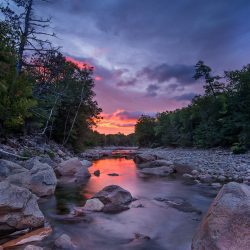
{"x":41,"y":91}
{"x":219,"y":118}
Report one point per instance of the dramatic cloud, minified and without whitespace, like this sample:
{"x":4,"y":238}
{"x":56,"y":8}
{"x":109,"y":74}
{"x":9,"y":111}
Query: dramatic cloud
{"x":130,"y":82}
{"x":164,"y":72}
{"x":143,"y":60}
{"x":152,"y":90}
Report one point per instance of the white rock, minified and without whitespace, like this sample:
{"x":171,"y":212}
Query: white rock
{"x":94,"y":205}
{"x":64,"y":242}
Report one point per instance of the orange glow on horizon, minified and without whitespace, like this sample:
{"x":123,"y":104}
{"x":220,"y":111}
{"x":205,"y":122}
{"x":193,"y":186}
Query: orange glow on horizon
{"x":113,"y":124}
{"x":80,"y":64}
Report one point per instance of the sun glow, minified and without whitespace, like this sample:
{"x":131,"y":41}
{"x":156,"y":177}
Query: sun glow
{"x":115,"y":123}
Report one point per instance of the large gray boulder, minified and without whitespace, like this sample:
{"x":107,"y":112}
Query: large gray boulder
{"x":144,"y":157}
{"x":38,"y":177}
{"x":18,"y":209}
{"x":73,"y":171}
{"x":226,"y":225}
{"x":8,"y":168}
{"x":183,"y":167}
{"x":157,"y":171}
{"x":114,"y":198}
{"x":155,"y":164}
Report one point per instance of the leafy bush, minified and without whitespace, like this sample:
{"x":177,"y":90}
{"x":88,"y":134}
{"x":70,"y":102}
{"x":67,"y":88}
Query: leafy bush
{"x":237,"y":148}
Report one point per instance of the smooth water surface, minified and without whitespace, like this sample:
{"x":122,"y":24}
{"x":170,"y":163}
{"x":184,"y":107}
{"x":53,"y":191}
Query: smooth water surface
{"x":169,"y":227}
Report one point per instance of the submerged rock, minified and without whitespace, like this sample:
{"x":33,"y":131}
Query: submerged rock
{"x":18,"y":209}
{"x":179,"y":204}
{"x":97,"y":173}
{"x":64,"y":242}
{"x":114,"y":198}
{"x":113,"y":174}
{"x":227,"y":222}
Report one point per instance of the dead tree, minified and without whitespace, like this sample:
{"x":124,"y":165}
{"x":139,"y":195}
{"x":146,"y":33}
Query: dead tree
{"x":32,"y":31}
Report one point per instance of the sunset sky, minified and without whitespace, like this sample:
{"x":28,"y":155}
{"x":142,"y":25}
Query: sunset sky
{"x":144,"y":52}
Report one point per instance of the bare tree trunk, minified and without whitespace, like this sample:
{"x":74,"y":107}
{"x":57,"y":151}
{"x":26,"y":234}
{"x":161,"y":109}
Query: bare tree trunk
{"x":74,"y":120}
{"x":24,"y":38}
{"x":50,"y":115}
{"x":51,"y":128}
{"x":65,"y":127}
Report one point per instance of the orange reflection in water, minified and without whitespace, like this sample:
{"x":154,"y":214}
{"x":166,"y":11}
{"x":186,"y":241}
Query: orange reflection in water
{"x":126,"y":179}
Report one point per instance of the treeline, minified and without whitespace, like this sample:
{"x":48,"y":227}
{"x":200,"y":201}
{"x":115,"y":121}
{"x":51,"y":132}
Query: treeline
{"x":40,"y":91}
{"x":96,"y":139}
{"x":220,"y":117}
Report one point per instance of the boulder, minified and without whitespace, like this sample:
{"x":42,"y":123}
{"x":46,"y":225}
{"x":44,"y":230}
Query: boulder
{"x":188,"y":176}
{"x":182,"y":167}
{"x":74,"y":169}
{"x":93,"y":205}
{"x":227,"y":222}
{"x":159,"y":171}
{"x":8,"y":168}
{"x":40,"y":178}
{"x":114,"y":198}
{"x":33,"y":236}
{"x":179,"y":204}
{"x":206,"y":178}
{"x":155,"y":164}
{"x":144,"y":157}
{"x":222,"y":178}
{"x":18,"y":209}
{"x":86,"y":163}
{"x":64,"y":242}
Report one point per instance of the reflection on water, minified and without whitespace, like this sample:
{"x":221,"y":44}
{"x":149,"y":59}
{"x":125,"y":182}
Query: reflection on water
{"x":167,"y":226}
{"x":125,"y":168}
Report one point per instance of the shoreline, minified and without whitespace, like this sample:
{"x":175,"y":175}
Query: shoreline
{"x":207,"y":165}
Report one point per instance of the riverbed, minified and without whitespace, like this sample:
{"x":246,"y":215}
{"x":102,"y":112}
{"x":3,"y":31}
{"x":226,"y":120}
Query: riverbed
{"x":164,"y":215}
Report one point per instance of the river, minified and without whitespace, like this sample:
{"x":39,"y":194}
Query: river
{"x":167,"y":211}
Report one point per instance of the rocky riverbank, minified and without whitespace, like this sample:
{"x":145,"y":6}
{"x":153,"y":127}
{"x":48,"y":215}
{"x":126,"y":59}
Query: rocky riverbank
{"x":208,"y":166}
{"x":30,"y":170}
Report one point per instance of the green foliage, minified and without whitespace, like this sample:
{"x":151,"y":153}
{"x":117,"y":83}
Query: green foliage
{"x":53,"y":97}
{"x":221,"y":117}
{"x":93,"y":138}
{"x":145,"y":130}
{"x":15,"y":92}
{"x":27,"y":154}
{"x":237,"y":148}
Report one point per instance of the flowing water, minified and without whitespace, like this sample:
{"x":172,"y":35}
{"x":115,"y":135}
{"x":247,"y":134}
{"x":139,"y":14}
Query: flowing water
{"x":167,"y":210}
